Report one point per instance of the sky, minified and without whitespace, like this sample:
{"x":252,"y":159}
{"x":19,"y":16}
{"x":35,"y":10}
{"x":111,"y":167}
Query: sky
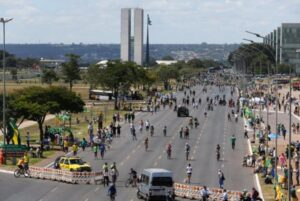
{"x":173,"y":21}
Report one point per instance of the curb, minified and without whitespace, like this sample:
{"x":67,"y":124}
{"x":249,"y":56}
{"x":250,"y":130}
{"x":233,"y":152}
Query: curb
{"x":255,"y":175}
{"x":6,"y":171}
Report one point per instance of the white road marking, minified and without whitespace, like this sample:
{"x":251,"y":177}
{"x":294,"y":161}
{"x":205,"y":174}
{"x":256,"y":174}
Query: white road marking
{"x":41,"y":199}
{"x":87,"y":199}
{"x":155,"y":164}
{"x":128,"y":157}
{"x":96,"y":189}
{"x":54,"y":189}
{"x":133,"y":151}
{"x":159,"y":157}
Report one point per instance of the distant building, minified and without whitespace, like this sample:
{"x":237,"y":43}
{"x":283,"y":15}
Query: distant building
{"x":125,"y":34}
{"x":286,"y":41}
{"x":128,"y":41}
{"x":51,"y":63}
{"x":166,"y":62}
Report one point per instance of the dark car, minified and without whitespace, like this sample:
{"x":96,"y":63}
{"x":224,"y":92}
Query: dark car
{"x":183,"y":112}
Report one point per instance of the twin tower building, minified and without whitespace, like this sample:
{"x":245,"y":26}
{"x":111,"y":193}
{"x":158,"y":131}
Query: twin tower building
{"x":132,"y":45}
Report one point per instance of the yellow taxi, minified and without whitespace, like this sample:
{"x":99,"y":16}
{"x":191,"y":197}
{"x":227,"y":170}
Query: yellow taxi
{"x":74,"y":164}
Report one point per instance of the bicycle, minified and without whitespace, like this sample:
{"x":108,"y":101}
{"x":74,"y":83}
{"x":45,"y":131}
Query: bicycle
{"x":21,"y":171}
{"x":129,"y":181}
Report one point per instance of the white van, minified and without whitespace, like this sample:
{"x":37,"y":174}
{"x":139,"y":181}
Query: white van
{"x":155,"y":183}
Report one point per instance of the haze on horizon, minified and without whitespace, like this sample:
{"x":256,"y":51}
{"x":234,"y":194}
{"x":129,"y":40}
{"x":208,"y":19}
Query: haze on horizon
{"x":174,"y":21}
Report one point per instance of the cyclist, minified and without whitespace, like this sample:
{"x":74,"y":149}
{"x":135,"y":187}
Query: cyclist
{"x":20,"y":163}
{"x":233,"y":139}
{"x":165,"y":130}
{"x":151,"y":130}
{"x":133,"y":177}
{"x":189,"y":170}
{"x":169,"y":150}
{"x":146,"y":143}
{"x":26,"y":160}
{"x":187,"y":150}
{"x":112,"y":192}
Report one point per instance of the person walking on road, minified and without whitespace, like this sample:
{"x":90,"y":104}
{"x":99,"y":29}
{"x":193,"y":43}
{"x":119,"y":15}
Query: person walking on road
{"x":165,"y":131}
{"x":105,"y":174}
{"x":95,"y":150}
{"x":133,"y":133}
{"x":189,"y":170}
{"x":221,"y":178}
{"x":112,"y":192}
{"x":233,"y":139}
{"x":75,"y":149}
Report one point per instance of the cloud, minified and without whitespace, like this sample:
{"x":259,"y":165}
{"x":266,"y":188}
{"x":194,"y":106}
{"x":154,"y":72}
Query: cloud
{"x":174,"y":21}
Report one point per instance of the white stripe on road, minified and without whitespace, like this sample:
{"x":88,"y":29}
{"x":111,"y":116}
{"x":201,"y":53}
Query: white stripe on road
{"x":96,"y":189}
{"x":54,"y":189}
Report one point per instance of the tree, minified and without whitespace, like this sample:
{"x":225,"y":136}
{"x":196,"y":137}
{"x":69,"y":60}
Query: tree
{"x":284,"y":69}
{"x":252,"y":55}
{"x":10,"y":59}
{"x":93,"y":75}
{"x":118,"y":77}
{"x":195,"y":63}
{"x":165,"y":73}
{"x":70,"y":69}
{"x":14,"y":74}
{"x":48,"y":76}
{"x":34,"y":103}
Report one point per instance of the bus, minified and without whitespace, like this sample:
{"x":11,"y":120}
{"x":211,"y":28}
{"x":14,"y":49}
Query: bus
{"x":96,"y":94}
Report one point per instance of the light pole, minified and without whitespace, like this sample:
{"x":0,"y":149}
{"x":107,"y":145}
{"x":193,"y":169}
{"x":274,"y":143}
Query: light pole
{"x":4,"y":21}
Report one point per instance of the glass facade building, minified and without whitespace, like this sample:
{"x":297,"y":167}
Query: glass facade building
{"x":286,"y":41}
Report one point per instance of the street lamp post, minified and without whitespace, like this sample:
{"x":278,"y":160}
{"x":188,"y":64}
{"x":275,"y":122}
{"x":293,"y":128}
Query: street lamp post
{"x":4,"y":21}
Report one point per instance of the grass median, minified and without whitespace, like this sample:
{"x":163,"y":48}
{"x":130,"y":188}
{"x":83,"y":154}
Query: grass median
{"x":79,"y":130}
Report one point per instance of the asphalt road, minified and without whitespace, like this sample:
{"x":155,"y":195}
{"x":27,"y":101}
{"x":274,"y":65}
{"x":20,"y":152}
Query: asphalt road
{"x":213,"y":130}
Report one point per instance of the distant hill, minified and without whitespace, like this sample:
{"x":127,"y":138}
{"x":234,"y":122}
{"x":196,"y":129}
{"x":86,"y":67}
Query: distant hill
{"x":96,"y":52}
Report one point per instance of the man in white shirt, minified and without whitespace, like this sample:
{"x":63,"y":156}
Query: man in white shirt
{"x":189,"y":170}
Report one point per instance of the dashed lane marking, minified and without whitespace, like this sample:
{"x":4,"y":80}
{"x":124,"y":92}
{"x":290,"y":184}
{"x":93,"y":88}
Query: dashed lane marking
{"x":54,"y":189}
{"x":159,"y":156}
{"x":155,"y":164}
{"x":96,"y":189}
{"x":128,"y":157}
